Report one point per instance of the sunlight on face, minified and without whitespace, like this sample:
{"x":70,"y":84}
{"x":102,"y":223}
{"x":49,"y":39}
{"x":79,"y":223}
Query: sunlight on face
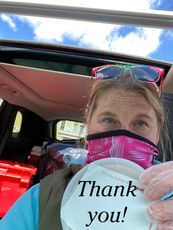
{"x":117,"y":109}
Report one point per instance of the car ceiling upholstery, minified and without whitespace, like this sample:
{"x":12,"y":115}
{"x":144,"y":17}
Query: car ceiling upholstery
{"x":49,"y":94}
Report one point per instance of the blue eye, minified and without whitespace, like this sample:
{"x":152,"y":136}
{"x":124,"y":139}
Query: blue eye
{"x":109,"y":120}
{"x":141,"y":123}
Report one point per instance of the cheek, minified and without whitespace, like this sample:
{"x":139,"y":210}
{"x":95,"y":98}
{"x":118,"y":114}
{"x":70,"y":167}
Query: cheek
{"x":154,"y":135}
{"x":89,"y":129}
{"x":92,"y":127}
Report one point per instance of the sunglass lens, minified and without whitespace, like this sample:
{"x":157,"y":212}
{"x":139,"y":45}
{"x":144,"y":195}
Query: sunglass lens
{"x":145,"y":74}
{"x":108,"y":72}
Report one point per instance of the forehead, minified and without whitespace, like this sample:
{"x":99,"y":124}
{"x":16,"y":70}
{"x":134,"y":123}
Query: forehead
{"x":119,"y":99}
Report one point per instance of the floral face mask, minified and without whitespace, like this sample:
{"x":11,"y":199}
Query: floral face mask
{"x":123,"y":144}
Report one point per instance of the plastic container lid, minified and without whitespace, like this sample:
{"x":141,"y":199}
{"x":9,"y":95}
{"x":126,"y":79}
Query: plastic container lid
{"x":15,"y":179}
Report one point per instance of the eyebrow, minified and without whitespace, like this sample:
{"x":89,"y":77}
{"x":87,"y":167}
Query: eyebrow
{"x":107,"y":113}
{"x":144,"y":115}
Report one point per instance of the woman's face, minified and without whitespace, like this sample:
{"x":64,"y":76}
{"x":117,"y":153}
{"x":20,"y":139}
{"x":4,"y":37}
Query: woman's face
{"x":117,"y":109}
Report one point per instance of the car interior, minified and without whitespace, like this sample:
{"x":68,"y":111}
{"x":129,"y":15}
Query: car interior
{"x":44,"y":89}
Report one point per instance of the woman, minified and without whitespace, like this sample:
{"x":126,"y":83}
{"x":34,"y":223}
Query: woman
{"x":123,"y":104}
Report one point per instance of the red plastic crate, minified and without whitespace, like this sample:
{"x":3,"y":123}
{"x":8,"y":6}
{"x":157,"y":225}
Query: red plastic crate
{"x":15,"y":179}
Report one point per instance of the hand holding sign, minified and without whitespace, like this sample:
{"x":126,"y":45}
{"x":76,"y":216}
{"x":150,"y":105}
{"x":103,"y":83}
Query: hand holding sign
{"x":105,"y":194}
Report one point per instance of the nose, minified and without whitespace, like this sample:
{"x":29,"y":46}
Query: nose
{"x":126,"y":127}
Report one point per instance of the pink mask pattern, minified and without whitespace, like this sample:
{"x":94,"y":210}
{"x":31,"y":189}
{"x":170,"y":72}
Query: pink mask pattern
{"x":122,"y":144}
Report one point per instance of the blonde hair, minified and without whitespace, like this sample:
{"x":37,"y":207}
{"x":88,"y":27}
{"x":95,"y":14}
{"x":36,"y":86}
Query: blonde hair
{"x":147,"y":90}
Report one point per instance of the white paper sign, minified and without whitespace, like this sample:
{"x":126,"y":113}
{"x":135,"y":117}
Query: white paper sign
{"x":105,"y":199}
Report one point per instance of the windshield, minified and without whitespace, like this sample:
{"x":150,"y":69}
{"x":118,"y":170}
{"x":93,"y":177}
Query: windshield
{"x":147,"y":42}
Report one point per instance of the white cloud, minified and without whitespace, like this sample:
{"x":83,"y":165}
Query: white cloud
{"x":142,"y":41}
{"x":9,"y":21}
{"x":86,"y":33}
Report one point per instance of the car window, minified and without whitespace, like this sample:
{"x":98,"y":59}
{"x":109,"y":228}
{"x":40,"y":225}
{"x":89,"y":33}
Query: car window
{"x":1,"y":101}
{"x":66,"y":129}
{"x":17,"y":123}
{"x":55,"y":66}
{"x":136,"y":38}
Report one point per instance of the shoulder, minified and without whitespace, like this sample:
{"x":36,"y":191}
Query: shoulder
{"x":17,"y":217}
{"x":59,"y":176}
{"x":51,"y":192}
{"x":54,"y":184}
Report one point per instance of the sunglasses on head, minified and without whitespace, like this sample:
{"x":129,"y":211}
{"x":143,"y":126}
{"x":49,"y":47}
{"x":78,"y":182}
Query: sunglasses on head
{"x":145,"y":73}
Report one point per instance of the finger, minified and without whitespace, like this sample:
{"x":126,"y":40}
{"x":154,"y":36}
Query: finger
{"x":162,"y":211}
{"x":166,"y":226}
{"x":151,"y":172}
{"x":160,"y":185}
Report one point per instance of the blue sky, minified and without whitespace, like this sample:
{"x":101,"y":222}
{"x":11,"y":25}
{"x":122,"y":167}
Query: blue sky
{"x":147,"y":42}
